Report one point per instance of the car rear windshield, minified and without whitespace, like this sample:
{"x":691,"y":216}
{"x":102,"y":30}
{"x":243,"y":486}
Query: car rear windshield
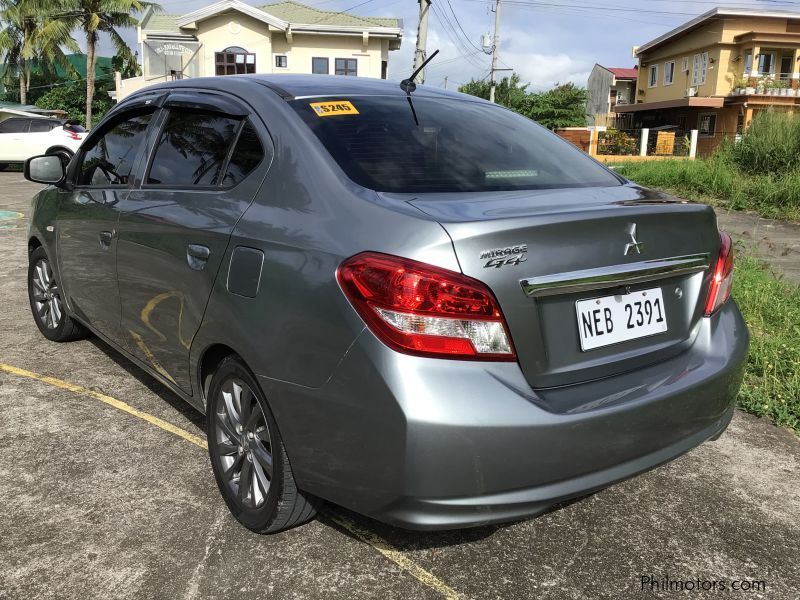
{"x":393,"y":144}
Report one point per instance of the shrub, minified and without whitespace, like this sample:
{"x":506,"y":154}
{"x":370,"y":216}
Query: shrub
{"x":771,"y":145}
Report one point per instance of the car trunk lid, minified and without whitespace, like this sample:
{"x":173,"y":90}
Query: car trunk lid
{"x":542,"y":251}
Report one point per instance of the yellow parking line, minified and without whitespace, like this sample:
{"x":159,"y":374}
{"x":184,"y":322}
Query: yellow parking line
{"x":397,"y":557}
{"x":374,"y":540}
{"x":118,"y":404}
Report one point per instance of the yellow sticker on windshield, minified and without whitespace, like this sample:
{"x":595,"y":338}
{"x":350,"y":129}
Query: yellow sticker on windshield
{"x":331,"y":109}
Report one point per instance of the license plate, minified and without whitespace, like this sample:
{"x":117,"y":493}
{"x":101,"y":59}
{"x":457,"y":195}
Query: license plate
{"x":614,"y":319}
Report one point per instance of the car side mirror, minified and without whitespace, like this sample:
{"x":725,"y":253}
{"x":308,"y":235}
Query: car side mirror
{"x":45,"y":169}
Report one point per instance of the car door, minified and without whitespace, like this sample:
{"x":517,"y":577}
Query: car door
{"x":88,"y":214}
{"x":174,"y":230}
{"x":12,"y":132}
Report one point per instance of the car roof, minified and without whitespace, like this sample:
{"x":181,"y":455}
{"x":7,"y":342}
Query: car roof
{"x":291,"y":86}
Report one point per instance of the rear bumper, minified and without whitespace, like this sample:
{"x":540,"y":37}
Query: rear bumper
{"x":438,"y":444}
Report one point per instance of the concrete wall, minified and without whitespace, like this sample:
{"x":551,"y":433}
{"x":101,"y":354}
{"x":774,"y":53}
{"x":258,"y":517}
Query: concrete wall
{"x":598,"y":86}
{"x":305,"y":47}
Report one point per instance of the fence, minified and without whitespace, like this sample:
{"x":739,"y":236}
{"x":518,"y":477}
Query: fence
{"x":608,"y":145}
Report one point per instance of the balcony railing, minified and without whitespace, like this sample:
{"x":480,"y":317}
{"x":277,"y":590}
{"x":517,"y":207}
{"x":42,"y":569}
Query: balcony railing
{"x":768,"y":84}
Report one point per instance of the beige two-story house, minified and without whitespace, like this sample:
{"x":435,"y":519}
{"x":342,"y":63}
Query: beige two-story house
{"x":715,"y":72}
{"x":230,"y":37}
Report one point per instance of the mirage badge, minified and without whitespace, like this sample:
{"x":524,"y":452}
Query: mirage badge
{"x":500,"y":257}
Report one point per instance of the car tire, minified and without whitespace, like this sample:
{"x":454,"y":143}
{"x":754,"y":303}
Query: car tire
{"x":47,"y":304}
{"x":244,"y":442}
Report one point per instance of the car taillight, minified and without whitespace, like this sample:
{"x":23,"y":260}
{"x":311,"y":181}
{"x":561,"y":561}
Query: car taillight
{"x":722,"y":279}
{"x":424,"y":310}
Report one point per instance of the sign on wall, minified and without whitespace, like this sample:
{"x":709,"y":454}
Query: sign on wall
{"x":171,"y":58}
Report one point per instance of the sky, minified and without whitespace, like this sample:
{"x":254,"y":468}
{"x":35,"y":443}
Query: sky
{"x":545,"y":41}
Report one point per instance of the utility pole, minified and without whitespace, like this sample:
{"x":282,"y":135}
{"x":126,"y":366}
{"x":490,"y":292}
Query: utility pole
{"x":495,"y":44}
{"x":422,"y":38}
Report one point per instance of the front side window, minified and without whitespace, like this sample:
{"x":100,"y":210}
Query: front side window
{"x":669,"y":72}
{"x":319,"y":65}
{"x":653,"y":76}
{"x":347,"y":66}
{"x":449,"y":146}
{"x":14,"y":126}
{"x":707,"y":124}
{"x":234,"y":61}
{"x":193,"y":149}
{"x":109,"y":160}
{"x":281,"y":61}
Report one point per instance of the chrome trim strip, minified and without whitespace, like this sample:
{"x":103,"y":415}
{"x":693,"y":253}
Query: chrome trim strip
{"x":607,"y":277}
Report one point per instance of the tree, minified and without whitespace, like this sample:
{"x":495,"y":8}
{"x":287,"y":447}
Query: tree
{"x":508,"y":91}
{"x":563,"y":106}
{"x":33,"y":36}
{"x":104,"y":16}
{"x":71,"y":98}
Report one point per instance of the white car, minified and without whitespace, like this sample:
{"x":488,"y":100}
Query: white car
{"x":23,"y":137}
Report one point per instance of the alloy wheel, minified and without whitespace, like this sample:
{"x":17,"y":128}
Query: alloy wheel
{"x":243,"y":443}
{"x":46,"y":295}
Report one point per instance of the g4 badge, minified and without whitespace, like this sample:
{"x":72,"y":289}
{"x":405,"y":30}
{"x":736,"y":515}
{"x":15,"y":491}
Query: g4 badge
{"x":500,"y":257}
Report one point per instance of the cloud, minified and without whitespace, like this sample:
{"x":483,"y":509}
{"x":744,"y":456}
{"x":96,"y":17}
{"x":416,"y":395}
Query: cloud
{"x":543,"y":71}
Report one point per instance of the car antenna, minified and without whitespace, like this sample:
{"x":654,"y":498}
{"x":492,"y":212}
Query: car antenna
{"x":408,"y":85}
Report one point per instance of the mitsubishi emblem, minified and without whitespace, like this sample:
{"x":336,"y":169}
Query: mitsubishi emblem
{"x":633,"y":245}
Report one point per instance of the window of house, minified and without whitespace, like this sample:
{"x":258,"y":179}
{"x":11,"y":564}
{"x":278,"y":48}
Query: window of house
{"x":346,"y":66}
{"x":707,"y":124}
{"x":281,"y":61}
{"x":192,"y":149}
{"x":786,"y":65}
{"x":653,"y":76}
{"x":669,"y":72}
{"x":766,"y":63}
{"x":699,"y":68}
{"x":748,"y":62}
{"x":109,"y":160}
{"x":319,"y":65}
{"x":685,"y":64}
{"x":234,"y":61}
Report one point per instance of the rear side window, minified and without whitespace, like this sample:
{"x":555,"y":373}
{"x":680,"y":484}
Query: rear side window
{"x":108,"y":161}
{"x":246,"y":156}
{"x":14,"y":126}
{"x":42,"y":125}
{"x":194,"y":149}
{"x":425,"y":144}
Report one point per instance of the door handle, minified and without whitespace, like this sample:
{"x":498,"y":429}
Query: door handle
{"x":197,"y":256}
{"x":105,"y":239}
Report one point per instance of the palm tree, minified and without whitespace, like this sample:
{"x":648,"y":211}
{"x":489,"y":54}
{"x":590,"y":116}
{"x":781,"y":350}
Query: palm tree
{"x":96,"y":16}
{"x":32,"y":36}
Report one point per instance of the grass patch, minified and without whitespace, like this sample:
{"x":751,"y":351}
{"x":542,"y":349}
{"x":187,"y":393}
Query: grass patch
{"x":771,"y":307}
{"x":718,"y":182}
{"x":760,"y":172}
